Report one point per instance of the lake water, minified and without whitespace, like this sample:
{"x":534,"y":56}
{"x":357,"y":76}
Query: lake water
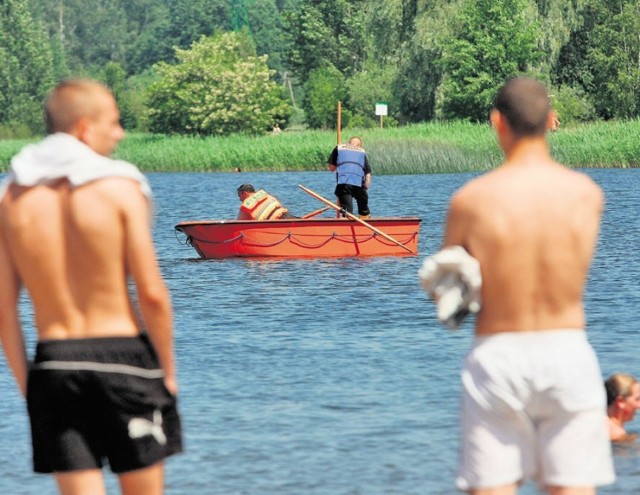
{"x":332,"y":376}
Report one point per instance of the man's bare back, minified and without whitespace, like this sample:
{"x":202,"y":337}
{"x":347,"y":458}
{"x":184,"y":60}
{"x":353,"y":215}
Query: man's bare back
{"x":532,"y":224}
{"x":69,"y":249}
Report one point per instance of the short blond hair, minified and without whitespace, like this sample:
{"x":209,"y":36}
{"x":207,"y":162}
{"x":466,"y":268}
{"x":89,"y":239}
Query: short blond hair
{"x":72,"y":100}
{"x":618,"y":385}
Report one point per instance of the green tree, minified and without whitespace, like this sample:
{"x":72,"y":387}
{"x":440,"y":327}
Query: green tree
{"x":266,"y":26}
{"x":390,"y":26}
{"x":419,"y":69}
{"x":372,"y":85}
{"x":324,"y":88}
{"x":558,"y":20}
{"x":602,"y":58}
{"x":219,"y":86}
{"x":491,"y":42}
{"x":25,"y":67}
{"x":614,"y":58}
{"x":327,"y":32}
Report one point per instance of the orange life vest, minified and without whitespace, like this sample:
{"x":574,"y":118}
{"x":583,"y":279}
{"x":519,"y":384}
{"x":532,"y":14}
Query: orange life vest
{"x":262,"y":206}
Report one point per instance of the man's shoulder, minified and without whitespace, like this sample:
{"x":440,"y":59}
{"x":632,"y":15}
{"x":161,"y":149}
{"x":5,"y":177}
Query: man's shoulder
{"x":118,"y":190}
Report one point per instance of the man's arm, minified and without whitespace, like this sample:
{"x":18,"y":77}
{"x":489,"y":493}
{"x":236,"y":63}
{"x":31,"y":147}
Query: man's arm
{"x":153,"y":295}
{"x":333,"y":158}
{"x":456,"y":228}
{"x":11,"y":335}
{"x":367,"y":173}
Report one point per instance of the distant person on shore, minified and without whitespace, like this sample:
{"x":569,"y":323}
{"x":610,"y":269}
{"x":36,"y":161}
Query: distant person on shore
{"x":260,"y":205}
{"x":74,"y":231}
{"x":353,"y":175}
{"x":276,"y":129}
{"x":623,"y":400}
{"x":533,"y":404}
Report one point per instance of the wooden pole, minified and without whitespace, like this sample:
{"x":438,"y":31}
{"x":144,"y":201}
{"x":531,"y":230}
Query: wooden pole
{"x":339,"y":120}
{"x":353,"y":217}
{"x":339,"y":141}
{"x":316,"y":212}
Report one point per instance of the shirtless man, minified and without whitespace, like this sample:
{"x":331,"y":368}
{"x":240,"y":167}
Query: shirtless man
{"x":533,"y":404}
{"x":74,"y":227}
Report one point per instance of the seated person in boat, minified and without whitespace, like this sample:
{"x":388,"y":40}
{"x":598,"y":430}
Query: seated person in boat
{"x":623,"y":400}
{"x":260,"y":205}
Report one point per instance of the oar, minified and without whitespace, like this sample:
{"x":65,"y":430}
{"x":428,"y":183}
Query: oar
{"x":338,"y":128}
{"x":316,"y":212}
{"x":353,"y":217}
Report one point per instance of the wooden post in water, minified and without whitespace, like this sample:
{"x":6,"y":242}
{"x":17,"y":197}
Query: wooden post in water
{"x":339,"y":120}
{"x":339,"y":141}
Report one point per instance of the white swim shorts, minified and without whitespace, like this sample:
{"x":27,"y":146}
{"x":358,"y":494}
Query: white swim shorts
{"x":533,"y":408}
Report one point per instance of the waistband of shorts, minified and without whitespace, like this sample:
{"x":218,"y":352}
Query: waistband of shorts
{"x":135,"y":349}
{"x":538,"y":336}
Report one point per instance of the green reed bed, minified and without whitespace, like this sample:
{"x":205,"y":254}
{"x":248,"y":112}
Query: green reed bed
{"x":306,"y":150}
{"x":437,"y":147}
{"x":440,"y":147}
{"x":600,"y":145}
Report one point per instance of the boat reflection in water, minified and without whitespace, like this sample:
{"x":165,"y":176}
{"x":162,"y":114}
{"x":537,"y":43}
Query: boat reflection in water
{"x":302,"y":238}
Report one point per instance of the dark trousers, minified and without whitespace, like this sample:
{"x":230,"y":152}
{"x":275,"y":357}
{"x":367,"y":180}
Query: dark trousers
{"x":346,"y":193}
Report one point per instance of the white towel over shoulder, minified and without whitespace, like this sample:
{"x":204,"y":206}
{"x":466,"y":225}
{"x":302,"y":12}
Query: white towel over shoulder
{"x":452,"y":277}
{"x":61,"y":156}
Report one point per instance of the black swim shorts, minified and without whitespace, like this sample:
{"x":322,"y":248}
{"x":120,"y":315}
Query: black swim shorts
{"x":92,"y":400}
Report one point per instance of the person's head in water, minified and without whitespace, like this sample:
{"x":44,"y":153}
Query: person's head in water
{"x":86,"y":110}
{"x":620,"y":388}
{"x":245,"y":190}
{"x":623,"y":400}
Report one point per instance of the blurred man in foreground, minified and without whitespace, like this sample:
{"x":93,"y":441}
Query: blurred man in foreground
{"x":533,"y":403}
{"x":74,"y":228}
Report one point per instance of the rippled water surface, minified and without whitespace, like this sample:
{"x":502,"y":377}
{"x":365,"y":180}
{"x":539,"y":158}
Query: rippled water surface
{"x":332,"y":376}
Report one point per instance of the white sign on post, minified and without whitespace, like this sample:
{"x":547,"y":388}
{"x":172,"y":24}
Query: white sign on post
{"x":381,"y":109}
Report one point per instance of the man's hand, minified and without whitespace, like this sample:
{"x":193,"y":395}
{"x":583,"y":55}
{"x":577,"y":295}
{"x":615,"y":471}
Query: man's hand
{"x":367,"y":181}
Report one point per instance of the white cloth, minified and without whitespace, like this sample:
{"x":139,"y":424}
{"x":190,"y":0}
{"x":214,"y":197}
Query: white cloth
{"x":61,"y":156}
{"x":533,"y":408}
{"x":452,"y":277}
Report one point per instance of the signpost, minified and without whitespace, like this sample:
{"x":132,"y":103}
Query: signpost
{"x":381,"y":110}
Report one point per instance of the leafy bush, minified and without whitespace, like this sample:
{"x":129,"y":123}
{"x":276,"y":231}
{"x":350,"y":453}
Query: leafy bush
{"x":323,"y":89}
{"x":219,"y":86}
{"x":572,"y":105}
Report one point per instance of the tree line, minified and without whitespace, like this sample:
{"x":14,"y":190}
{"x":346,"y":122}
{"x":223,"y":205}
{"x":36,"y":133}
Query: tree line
{"x":224,"y":66}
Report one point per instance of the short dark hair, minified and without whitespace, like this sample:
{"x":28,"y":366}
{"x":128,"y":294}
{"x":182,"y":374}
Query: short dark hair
{"x":524,"y":102}
{"x":246,"y":188}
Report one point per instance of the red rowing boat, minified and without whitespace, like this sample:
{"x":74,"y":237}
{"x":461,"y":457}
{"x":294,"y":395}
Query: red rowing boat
{"x":302,"y":238}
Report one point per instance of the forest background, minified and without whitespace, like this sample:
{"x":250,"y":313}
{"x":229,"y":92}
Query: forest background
{"x":237,"y":67}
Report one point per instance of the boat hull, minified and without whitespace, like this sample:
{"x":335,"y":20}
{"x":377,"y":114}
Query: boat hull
{"x":301,"y":238}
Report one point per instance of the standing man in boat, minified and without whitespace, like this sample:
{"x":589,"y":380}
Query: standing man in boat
{"x":74,"y":230}
{"x":353,"y":174}
{"x":260,"y":205}
{"x":533,"y":404}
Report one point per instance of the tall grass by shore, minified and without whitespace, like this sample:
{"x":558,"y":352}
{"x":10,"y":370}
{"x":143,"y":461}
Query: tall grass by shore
{"x":445,"y":147}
